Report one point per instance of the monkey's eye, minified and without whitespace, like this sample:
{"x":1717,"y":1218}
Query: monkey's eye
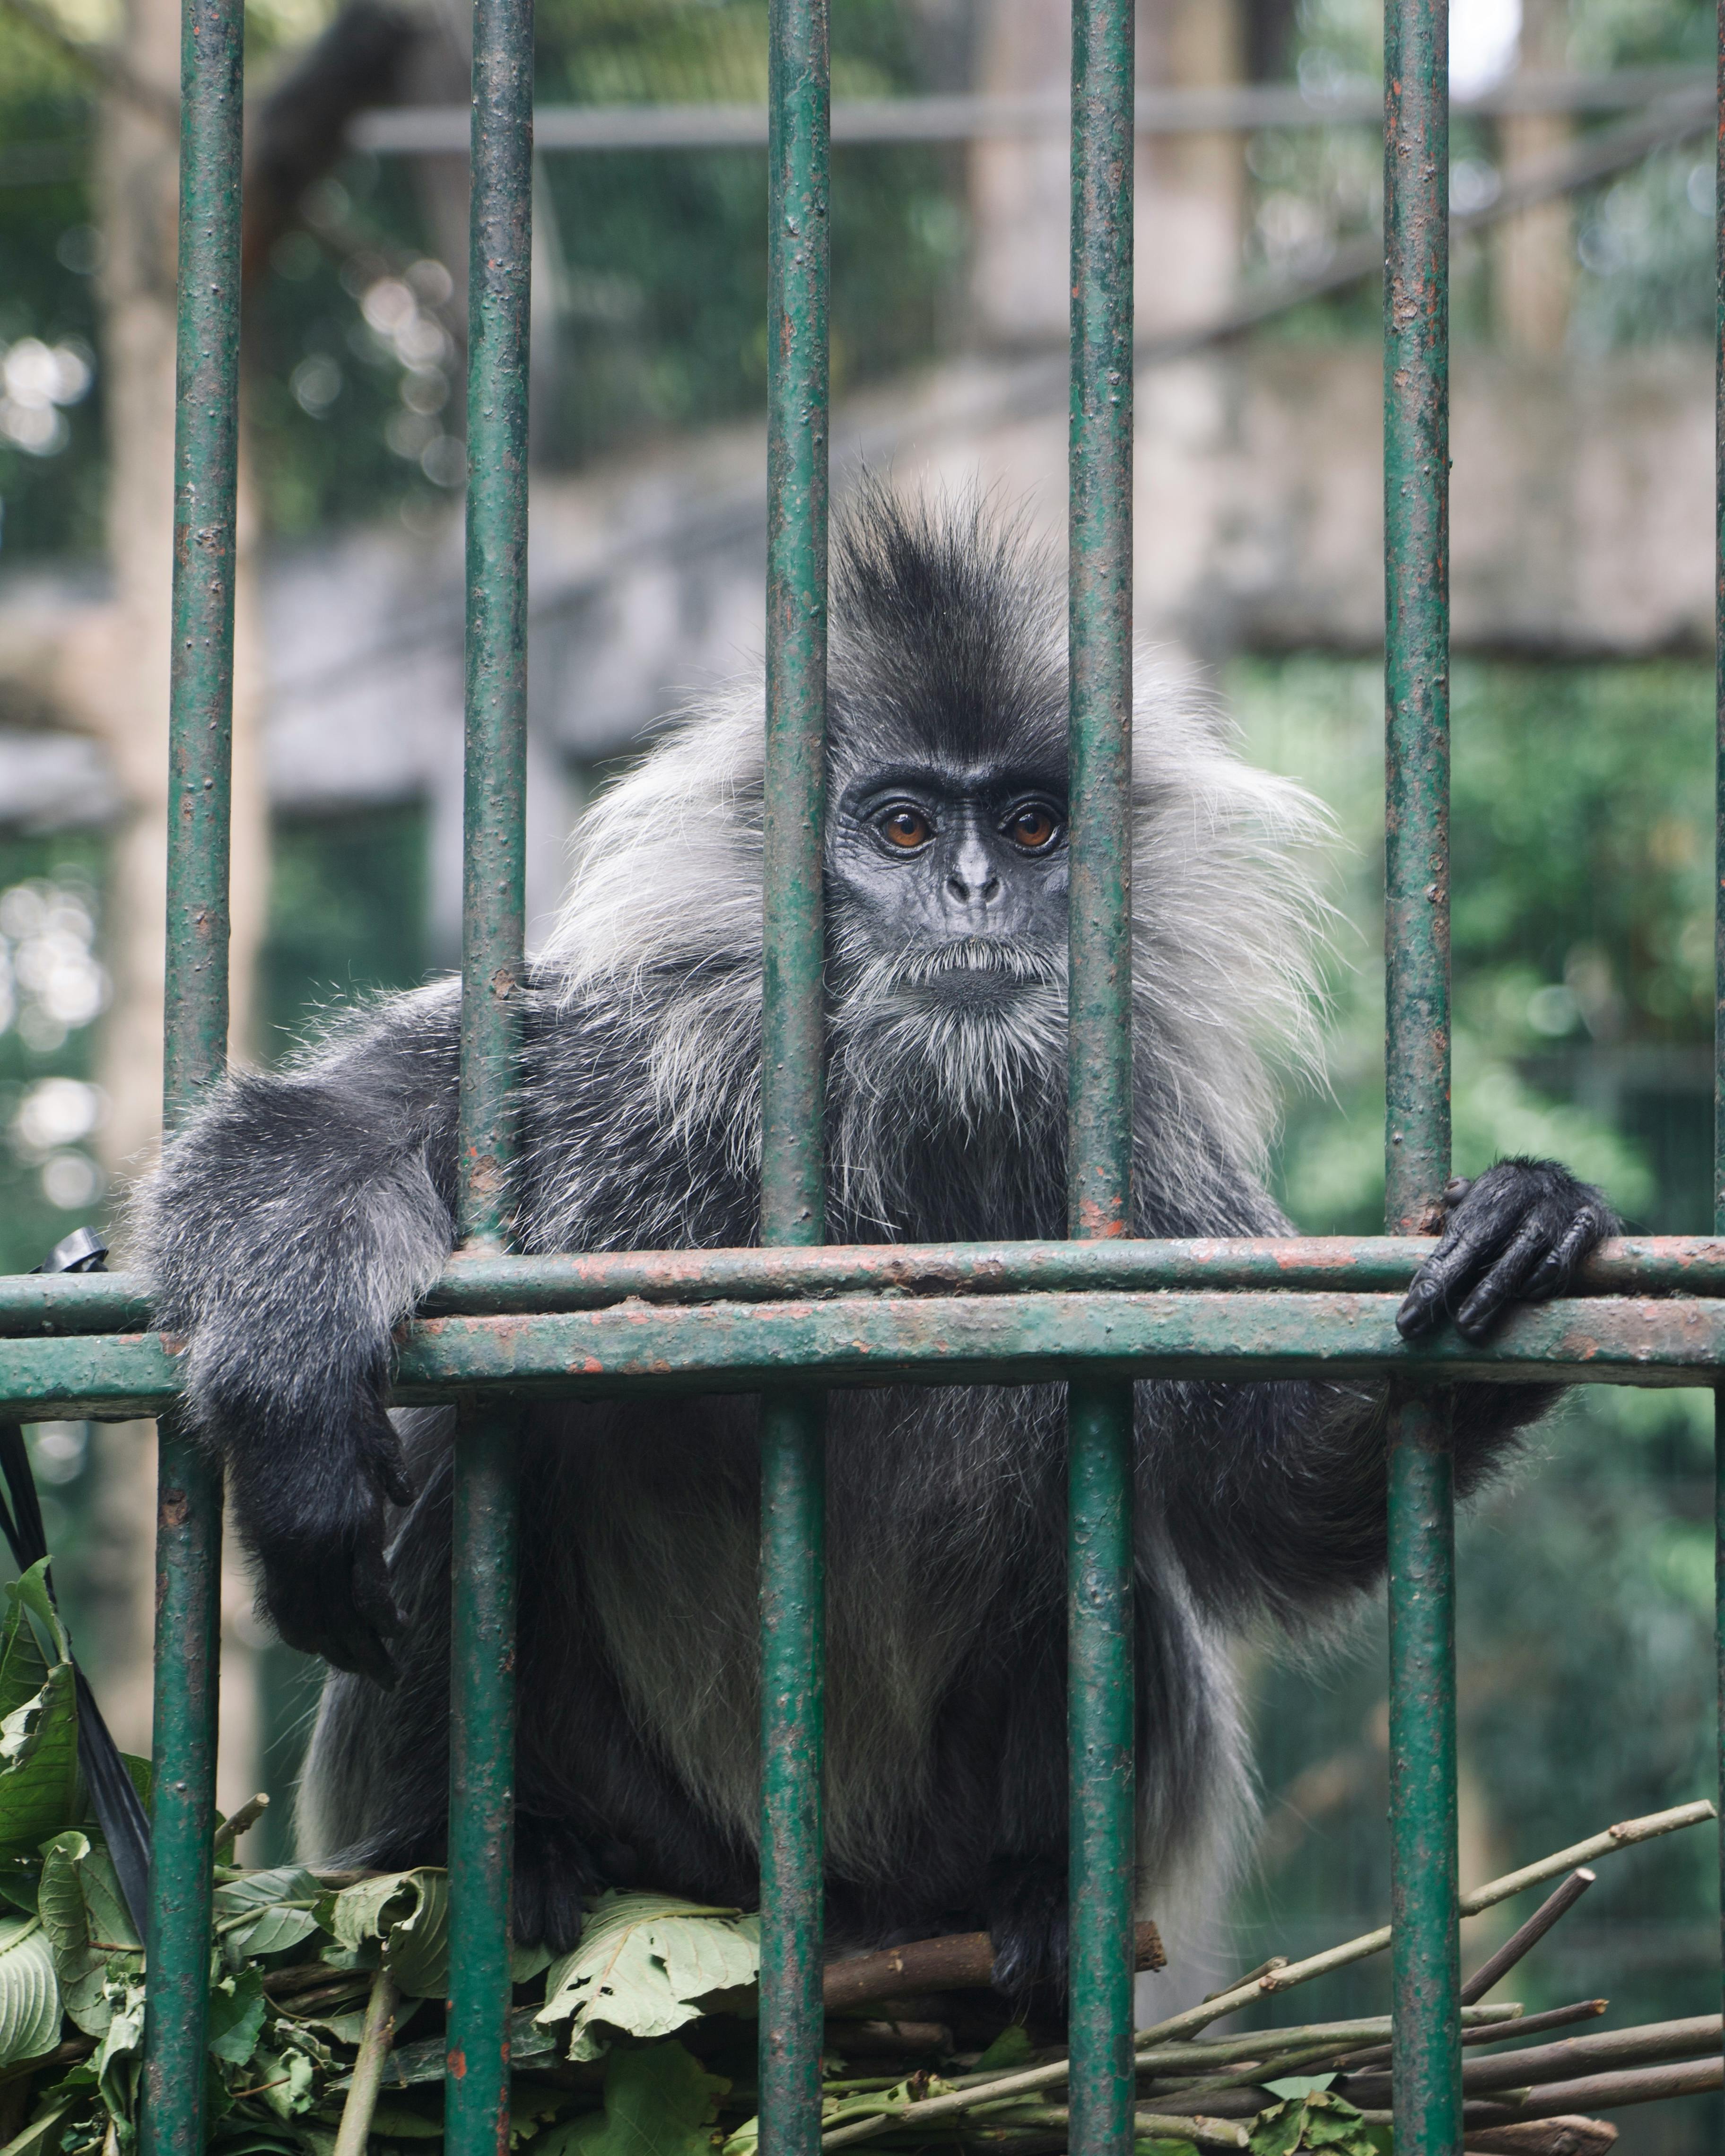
{"x":1033,"y":828}
{"x":905,"y":828}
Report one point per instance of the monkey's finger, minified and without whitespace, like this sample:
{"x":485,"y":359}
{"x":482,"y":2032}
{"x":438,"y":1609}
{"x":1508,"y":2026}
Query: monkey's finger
{"x":388,"y":1472}
{"x":1557,"y":1267}
{"x":1469,"y":1244}
{"x":1504,"y":1283}
{"x":383,"y":1461}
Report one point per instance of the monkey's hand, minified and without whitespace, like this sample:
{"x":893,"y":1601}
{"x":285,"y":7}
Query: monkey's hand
{"x":317,"y":1533}
{"x":1514,"y":1234}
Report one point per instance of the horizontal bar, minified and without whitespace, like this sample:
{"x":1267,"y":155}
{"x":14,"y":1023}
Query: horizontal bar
{"x":433,"y":130}
{"x":68,"y":1303}
{"x":1000,"y":1339}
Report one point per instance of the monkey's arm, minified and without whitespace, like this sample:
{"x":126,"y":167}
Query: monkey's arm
{"x":292,"y":1224}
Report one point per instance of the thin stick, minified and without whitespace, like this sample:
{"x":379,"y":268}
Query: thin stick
{"x":1530,"y":2024}
{"x":1498,"y":1965}
{"x":1274,"y":2056}
{"x":1697,"y":2037}
{"x":1030,"y":2079}
{"x":245,"y":1817}
{"x":368,"y":2066}
{"x":1604,"y":2092}
{"x":1624,"y":1835}
{"x":1339,"y":2035}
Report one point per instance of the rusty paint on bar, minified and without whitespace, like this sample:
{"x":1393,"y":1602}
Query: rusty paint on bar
{"x":793,"y":1027}
{"x":188,"y":1536}
{"x":48,"y":1304}
{"x":1100,"y":1716}
{"x":493,"y":917}
{"x":1719,"y":900}
{"x":1421,"y":1499}
{"x":998,"y":1339}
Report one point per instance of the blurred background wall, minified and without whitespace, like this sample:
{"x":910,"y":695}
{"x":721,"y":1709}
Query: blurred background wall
{"x":1582,"y":604}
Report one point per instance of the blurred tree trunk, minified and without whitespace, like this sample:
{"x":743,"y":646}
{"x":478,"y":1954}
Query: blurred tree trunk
{"x":1533,"y":260}
{"x":137,"y":190}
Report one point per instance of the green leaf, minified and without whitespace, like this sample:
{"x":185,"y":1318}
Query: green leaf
{"x":658,"y":2101}
{"x":285,"y":2082}
{"x":29,"y":1991}
{"x":236,"y":2017}
{"x":260,"y":1890}
{"x":277,"y":1929}
{"x":409,"y":1913}
{"x":401,"y":2122}
{"x":38,"y":1764}
{"x":1316,"y":2121}
{"x":1299,"y":2085}
{"x":412,"y":2065}
{"x":1161,"y":2144}
{"x":1010,"y":2048}
{"x":31,"y":1594}
{"x":118,"y":2059}
{"x":85,"y":1918}
{"x":42,"y":2135}
{"x":645,"y":1963}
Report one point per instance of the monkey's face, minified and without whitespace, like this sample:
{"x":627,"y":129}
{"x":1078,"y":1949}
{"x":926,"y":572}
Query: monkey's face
{"x":948,"y":882}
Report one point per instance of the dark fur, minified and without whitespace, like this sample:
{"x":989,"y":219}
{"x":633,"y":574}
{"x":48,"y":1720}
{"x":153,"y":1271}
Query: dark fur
{"x":293,"y":1225}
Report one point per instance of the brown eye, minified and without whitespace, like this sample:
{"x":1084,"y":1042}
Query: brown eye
{"x":905,"y":827}
{"x":1033,"y":828}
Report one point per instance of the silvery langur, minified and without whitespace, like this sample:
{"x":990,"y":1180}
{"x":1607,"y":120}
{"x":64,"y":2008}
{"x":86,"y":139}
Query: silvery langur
{"x":298,"y":1218}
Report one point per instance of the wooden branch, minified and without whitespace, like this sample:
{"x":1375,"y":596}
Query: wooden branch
{"x":245,"y":1817}
{"x":1544,"y":2137}
{"x":1500,"y":1964}
{"x":1528,"y":2025}
{"x":963,"y":1961}
{"x":1623,"y":1836}
{"x":351,"y":2136}
{"x":1540,"y":2063}
{"x":1602,"y":2092}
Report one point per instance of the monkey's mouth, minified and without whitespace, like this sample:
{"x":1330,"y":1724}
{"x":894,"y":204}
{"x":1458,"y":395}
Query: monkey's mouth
{"x":985,"y":968}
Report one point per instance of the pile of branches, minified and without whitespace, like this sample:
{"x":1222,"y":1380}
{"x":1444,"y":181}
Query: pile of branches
{"x":327,"y":2017}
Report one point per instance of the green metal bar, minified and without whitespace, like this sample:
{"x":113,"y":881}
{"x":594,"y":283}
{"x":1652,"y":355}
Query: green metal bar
{"x":1426,"y":1971}
{"x":1099,"y":1413}
{"x":482,"y":1661}
{"x":1719,"y":898}
{"x":1426,"y":1967}
{"x":481,"y":1781}
{"x":983,"y":1339}
{"x":493,"y":897}
{"x":792,"y":1024}
{"x":64,"y":1304}
{"x":1416,"y":541}
{"x":189,"y":1537}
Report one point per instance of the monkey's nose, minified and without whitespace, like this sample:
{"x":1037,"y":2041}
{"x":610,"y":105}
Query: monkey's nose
{"x":968,"y":892}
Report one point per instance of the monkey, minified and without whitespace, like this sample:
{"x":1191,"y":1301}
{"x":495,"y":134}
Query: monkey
{"x":299,"y":1216}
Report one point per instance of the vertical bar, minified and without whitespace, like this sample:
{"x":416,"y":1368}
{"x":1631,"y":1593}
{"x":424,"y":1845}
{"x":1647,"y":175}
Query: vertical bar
{"x":482,"y":1659}
{"x":1099,"y":1416}
{"x":188,"y":1538}
{"x":1719,"y":898}
{"x":793,"y":1137}
{"x":1426,"y":1971}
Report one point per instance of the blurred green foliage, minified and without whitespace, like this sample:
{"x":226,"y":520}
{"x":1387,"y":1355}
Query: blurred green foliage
{"x":1581,"y":850}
